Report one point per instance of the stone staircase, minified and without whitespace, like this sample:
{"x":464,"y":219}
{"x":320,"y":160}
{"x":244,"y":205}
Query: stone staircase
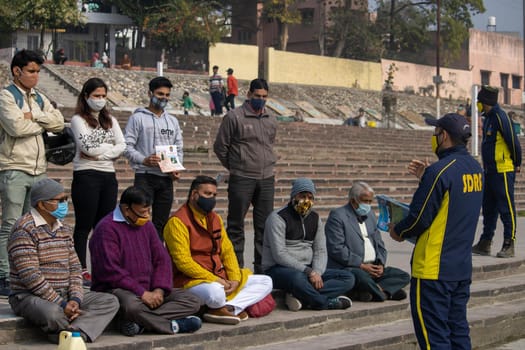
{"x":333,"y":157}
{"x":496,"y":314}
{"x":52,"y":87}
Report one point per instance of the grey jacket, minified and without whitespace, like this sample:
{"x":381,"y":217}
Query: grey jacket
{"x":295,"y":254}
{"x":344,"y":242}
{"x":244,"y":143}
{"x":144,"y":131}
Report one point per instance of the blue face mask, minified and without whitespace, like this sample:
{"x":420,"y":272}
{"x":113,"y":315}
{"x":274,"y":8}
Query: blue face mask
{"x":363,"y":209}
{"x":159,"y":103}
{"x":61,"y":211}
{"x":257,"y":103}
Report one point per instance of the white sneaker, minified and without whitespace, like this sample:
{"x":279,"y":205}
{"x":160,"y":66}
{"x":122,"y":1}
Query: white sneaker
{"x":292,"y":302}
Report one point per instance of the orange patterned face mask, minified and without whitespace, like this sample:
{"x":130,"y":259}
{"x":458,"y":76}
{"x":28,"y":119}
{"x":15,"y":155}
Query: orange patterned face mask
{"x":303,"y":206}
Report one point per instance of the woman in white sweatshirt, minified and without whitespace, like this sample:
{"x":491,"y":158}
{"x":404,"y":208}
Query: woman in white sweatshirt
{"x":99,"y":141}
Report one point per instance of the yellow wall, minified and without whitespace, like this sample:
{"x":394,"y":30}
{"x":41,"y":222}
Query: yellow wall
{"x":297,"y":68}
{"x":241,"y":58}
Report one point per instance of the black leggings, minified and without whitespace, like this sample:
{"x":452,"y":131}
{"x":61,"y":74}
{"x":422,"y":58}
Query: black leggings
{"x":94,"y":194}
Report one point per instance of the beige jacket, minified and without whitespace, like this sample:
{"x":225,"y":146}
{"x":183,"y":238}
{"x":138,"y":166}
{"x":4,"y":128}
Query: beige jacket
{"x":21,"y":142}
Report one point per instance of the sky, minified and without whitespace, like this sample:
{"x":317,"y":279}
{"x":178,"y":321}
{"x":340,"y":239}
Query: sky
{"x":508,"y":13}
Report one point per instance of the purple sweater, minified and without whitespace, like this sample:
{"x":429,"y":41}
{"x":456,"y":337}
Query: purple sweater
{"x":128,"y":257}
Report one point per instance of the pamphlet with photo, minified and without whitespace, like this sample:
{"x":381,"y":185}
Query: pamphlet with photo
{"x":169,"y":159}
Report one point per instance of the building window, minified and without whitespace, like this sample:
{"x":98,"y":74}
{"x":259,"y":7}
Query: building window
{"x":485,"y":77}
{"x":516,"y":82}
{"x":244,"y":36}
{"x":307,"y":15}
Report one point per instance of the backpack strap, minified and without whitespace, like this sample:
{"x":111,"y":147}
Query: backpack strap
{"x":20,"y":99}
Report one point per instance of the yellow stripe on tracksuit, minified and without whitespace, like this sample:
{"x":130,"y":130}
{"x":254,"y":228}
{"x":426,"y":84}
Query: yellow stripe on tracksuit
{"x":509,"y":204}
{"x":426,"y":260}
{"x":420,"y":314}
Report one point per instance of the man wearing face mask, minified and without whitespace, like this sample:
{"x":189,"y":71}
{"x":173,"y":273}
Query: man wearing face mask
{"x":295,"y":257}
{"x":443,"y":216}
{"x":129,"y":260}
{"x":244,"y":146}
{"x":354,"y":243}
{"x":46,"y":280}
{"x":146,"y":128}
{"x":501,"y":153}
{"x":204,"y":261}
{"x":23,"y":120}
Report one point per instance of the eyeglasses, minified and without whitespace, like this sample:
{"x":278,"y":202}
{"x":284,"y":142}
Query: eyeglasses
{"x":61,"y":200}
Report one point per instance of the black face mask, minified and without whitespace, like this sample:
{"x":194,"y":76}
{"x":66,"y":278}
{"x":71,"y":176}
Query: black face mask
{"x":206,"y":204}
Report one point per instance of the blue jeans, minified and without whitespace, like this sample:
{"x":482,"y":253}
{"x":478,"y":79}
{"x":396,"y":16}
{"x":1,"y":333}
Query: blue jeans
{"x":335,"y":283}
{"x":15,"y":186}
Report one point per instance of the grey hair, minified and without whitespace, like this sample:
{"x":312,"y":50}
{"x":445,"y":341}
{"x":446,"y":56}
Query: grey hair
{"x":357,"y":190}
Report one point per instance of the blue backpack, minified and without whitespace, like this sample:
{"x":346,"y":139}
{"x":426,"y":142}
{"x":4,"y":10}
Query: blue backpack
{"x":60,"y":147}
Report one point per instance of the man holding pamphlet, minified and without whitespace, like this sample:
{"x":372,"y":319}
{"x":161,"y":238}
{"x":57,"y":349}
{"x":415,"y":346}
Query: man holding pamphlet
{"x":154,"y":149}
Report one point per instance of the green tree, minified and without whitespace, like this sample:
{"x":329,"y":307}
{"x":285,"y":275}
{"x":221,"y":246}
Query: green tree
{"x":39,"y":14}
{"x":284,"y":13}
{"x":178,"y":21}
{"x":407,"y":25}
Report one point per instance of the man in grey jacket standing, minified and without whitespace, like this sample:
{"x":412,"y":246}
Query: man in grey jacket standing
{"x":295,"y":255}
{"x":244,"y":146}
{"x":149,"y":127}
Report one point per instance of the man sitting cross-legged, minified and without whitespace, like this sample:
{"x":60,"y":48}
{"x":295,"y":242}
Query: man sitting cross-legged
{"x":204,"y":260}
{"x":129,"y":260}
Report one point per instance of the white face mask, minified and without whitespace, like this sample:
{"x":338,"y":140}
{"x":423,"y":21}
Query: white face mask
{"x":96,"y":104}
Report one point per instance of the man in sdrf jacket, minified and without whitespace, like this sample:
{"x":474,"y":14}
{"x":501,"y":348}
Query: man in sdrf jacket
{"x":149,"y":127}
{"x":244,"y":146}
{"x":443,"y":216}
{"x":501,"y":153}
{"x":24,"y":117}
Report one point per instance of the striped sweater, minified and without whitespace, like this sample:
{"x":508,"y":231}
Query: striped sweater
{"x":43,"y":260}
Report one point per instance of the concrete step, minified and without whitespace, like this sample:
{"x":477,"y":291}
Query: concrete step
{"x":497,"y":301}
{"x":488,"y":325}
{"x":53,"y":89}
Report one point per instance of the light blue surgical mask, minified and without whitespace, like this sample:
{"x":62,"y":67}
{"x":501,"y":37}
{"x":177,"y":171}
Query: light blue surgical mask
{"x":61,"y":211}
{"x":363,"y":209}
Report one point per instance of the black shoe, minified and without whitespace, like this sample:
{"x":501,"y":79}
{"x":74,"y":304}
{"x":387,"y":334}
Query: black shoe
{"x":339,"y":303}
{"x":507,"y":250}
{"x":130,"y":329}
{"x":482,"y":248}
{"x":188,"y":324}
{"x":399,"y":295}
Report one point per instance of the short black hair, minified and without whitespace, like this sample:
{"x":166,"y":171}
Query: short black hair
{"x":158,"y":82}
{"x":24,"y":57}
{"x":215,"y":67}
{"x":135,"y":195}
{"x":258,"y":83}
{"x":201,"y":180}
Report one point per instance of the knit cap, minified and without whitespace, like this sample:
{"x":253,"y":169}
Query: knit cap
{"x":302,"y":184}
{"x":44,"y":190}
{"x":488,"y":95}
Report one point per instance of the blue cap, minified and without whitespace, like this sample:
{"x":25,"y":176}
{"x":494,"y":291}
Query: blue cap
{"x":455,"y":124}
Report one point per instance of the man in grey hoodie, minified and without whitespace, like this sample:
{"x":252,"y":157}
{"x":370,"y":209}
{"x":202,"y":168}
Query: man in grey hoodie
{"x":149,"y":127}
